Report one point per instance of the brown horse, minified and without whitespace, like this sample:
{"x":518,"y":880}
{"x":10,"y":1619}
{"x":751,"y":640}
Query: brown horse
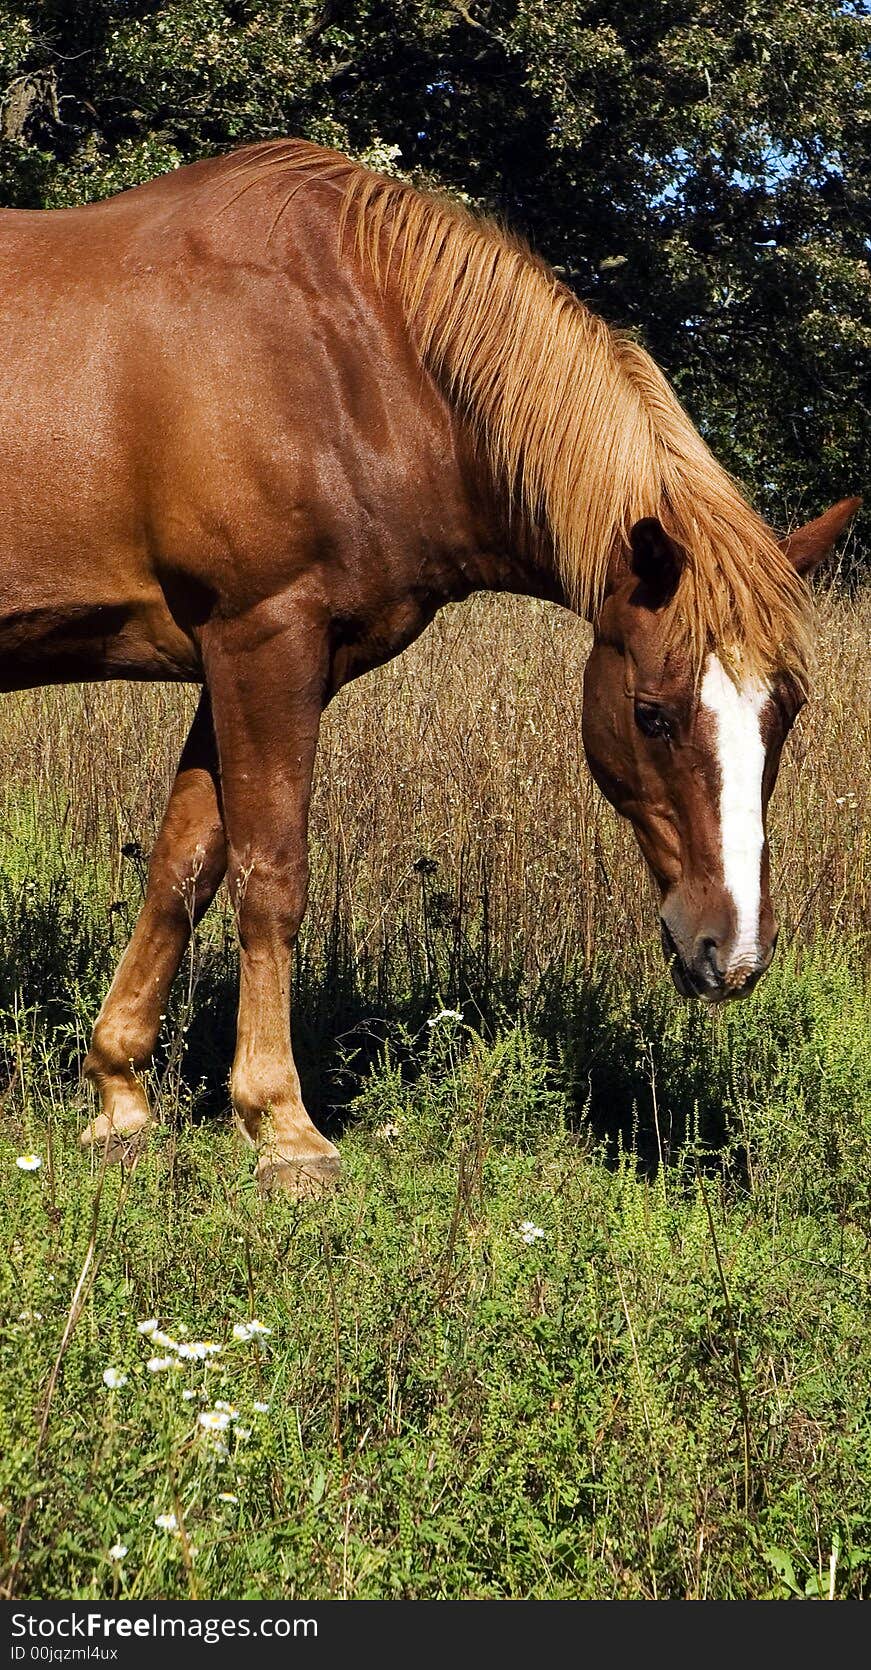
{"x":260,"y":419}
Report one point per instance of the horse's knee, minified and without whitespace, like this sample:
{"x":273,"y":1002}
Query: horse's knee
{"x":269,"y":893}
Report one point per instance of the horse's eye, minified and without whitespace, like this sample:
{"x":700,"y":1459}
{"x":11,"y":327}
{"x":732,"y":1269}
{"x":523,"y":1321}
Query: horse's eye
{"x":651,"y":720}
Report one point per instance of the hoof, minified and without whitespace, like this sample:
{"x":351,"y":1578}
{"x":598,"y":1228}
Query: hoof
{"x":121,"y":1141}
{"x":303,"y":1179}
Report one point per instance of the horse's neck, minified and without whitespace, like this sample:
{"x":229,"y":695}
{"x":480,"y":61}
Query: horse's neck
{"x":506,"y":551}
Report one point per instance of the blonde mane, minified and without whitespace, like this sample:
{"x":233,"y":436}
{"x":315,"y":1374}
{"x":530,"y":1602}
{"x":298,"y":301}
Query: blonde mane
{"x":576,"y":418}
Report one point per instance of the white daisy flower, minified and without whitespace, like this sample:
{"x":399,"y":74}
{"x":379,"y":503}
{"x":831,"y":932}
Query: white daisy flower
{"x":117,"y":1551}
{"x":214,"y":1420}
{"x":250,"y":1330}
{"x":156,"y":1365}
{"x":114,"y":1379}
{"x":227,"y":1409}
{"x":197,"y":1350}
{"x":529,"y":1232}
{"x":261,"y":1408}
{"x":243,"y":1432}
{"x":188,"y":1396}
{"x":149,"y":1326}
{"x":227,"y":1496}
{"x":28,"y":1162}
{"x":166,"y":1341}
{"x":166,"y":1522}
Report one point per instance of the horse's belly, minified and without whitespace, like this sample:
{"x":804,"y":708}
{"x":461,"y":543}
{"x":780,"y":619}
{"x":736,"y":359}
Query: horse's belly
{"x":70,"y":642}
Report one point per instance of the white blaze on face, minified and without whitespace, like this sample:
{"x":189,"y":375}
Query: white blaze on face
{"x":736,"y":710}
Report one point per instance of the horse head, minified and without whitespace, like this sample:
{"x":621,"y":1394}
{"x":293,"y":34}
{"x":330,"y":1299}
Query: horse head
{"x":691,"y":755}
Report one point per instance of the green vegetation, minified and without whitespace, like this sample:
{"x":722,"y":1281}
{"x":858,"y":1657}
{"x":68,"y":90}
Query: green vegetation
{"x":514,"y":1356}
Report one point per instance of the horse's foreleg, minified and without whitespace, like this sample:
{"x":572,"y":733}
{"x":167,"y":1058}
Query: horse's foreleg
{"x":267,"y":689}
{"x":184,"y":874}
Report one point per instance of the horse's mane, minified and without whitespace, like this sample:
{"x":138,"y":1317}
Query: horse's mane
{"x":576,"y":417}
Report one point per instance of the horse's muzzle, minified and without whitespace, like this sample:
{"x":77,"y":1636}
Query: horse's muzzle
{"x":703,"y":974}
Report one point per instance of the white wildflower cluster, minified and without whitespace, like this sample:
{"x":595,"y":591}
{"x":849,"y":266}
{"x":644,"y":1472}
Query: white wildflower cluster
{"x":529,"y":1233}
{"x":445,"y":1015}
{"x":217,"y":1422}
{"x":244,"y":1331}
{"x":220,"y":1418}
{"x":180,"y":1351}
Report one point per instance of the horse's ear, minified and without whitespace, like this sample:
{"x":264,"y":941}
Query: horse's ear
{"x":807,"y":546}
{"x":656,"y":561}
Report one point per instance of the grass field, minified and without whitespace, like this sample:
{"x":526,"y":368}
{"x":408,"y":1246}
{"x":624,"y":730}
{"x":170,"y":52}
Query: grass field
{"x":591,"y":1315}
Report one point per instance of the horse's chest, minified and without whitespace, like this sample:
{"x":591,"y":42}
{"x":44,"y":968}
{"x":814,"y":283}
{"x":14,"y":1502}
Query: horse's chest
{"x":368,"y":642}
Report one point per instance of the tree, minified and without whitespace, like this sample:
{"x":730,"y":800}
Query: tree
{"x":699,"y":171}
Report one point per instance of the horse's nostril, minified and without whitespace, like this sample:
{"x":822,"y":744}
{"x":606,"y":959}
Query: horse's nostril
{"x":707,"y":957}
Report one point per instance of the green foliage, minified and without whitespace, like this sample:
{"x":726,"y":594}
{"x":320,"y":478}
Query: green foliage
{"x":516,"y":1355}
{"x":700,"y":174}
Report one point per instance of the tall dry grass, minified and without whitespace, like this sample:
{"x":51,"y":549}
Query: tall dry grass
{"x":454,"y":820}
